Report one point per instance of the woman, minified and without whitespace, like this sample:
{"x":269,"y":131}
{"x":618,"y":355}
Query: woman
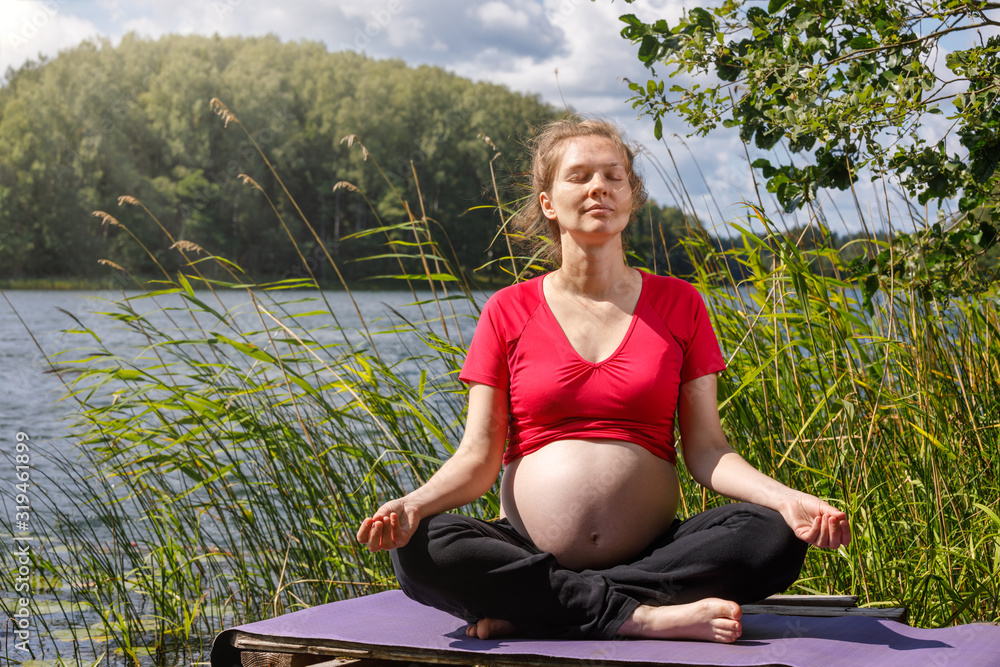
{"x":574,"y":380}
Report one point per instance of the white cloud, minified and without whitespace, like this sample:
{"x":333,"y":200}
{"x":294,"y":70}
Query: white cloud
{"x":502,"y":15}
{"x":31,"y":28}
{"x":144,"y":26}
{"x":407,"y":32}
{"x":113,"y":7}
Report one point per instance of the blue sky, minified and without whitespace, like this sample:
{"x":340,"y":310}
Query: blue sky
{"x":517,"y":43}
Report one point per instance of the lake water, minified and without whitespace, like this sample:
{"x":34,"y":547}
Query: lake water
{"x":33,"y":327}
{"x":32,"y":398}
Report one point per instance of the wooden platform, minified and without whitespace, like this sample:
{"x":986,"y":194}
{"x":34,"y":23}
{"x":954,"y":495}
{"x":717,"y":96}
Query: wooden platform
{"x":256,"y":650}
{"x":822,"y":605}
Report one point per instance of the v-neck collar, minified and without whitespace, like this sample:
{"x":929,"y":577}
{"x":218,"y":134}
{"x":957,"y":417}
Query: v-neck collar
{"x":565,"y":338}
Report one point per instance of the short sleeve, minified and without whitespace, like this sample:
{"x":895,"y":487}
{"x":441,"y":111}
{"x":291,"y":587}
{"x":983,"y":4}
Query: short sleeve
{"x":486,"y":361}
{"x":703,"y":355}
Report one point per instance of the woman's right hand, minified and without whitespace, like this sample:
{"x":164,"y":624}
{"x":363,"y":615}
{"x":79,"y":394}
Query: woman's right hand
{"x":390,"y":527}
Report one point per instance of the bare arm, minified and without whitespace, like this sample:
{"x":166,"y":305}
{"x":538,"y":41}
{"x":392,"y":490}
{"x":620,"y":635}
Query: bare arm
{"x":716,"y":466}
{"x":467,"y":475}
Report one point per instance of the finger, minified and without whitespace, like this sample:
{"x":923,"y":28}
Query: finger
{"x":839,"y":515}
{"x":807,"y":533}
{"x":815,"y":535}
{"x":386,"y":542}
{"x":817,"y":530}
{"x":364,"y":530}
{"x":394,"y":528}
{"x":822,"y":533}
{"x":845,"y":532}
{"x":828,"y":510}
{"x":375,"y":540}
{"x":829,"y":530}
{"x":389,"y":532}
{"x":834,"y":533}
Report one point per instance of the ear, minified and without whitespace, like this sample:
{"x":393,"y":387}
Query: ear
{"x":548,"y":210}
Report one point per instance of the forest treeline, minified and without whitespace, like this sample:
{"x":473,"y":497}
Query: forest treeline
{"x":100,"y":121}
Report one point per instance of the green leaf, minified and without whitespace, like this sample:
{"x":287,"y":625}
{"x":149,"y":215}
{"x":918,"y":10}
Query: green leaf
{"x":968,"y":203}
{"x":648,"y":48}
{"x":804,"y":20}
{"x":250,"y":350}
{"x":815,"y":44}
{"x":632,"y":20}
{"x":444,"y":277}
{"x":702,"y":18}
{"x":863,"y":42}
{"x":869,"y":287}
{"x":987,"y":235}
{"x":182,"y":279}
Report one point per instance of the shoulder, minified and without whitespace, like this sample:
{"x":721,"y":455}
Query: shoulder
{"x":526,"y":291}
{"x":511,"y":306}
{"x":670,"y":292}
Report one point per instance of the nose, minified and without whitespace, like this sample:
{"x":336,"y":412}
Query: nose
{"x":598,"y":185}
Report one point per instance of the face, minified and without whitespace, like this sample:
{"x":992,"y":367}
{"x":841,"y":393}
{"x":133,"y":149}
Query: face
{"x":590,"y":193}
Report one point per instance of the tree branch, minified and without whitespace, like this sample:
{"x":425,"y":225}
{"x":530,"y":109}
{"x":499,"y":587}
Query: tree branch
{"x":933,"y":37}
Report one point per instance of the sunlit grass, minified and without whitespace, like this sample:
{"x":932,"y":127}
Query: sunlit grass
{"x":893,"y":415}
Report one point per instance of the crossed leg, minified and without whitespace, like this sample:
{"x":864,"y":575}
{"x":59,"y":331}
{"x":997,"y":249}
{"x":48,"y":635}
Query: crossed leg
{"x":687,"y":585}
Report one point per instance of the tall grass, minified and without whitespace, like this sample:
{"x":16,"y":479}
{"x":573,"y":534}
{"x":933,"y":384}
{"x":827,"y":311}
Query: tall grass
{"x":893,"y":415}
{"x":226,"y":458}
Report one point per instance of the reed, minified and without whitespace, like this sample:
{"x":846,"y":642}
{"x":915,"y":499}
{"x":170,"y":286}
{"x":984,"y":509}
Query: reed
{"x":226,"y":457}
{"x":891,"y":414}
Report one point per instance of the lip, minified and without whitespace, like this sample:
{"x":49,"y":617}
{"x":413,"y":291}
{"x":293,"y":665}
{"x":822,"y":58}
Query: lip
{"x":598,"y":208}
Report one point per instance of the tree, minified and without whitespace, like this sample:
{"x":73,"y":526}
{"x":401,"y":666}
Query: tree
{"x":848,"y":84}
{"x":99,"y":121}
{"x":656,"y":236}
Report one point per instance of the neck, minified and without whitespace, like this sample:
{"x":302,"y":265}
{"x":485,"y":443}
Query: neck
{"x":595,"y":273}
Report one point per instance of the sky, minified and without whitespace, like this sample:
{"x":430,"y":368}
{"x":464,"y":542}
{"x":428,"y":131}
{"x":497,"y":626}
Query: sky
{"x":569,"y":52}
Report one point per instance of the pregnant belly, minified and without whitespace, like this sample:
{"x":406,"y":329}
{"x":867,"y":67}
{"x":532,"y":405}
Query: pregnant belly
{"x":592,"y":503}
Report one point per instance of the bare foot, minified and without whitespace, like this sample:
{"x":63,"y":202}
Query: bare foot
{"x":711,"y":619}
{"x":490,"y":628}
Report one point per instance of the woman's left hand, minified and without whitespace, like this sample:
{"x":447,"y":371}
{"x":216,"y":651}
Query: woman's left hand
{"x":816,"y":522}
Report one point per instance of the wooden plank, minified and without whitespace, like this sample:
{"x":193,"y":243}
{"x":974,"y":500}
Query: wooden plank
{"x":356,"y":662}
{"x":386,"y":654}
{"x":267,"y":643}
{"x":275,"y":659}
{"x":813,"y":600}
{"x":282,"y":659}
{"x":890,"y":613}
{"x":404,"y":659}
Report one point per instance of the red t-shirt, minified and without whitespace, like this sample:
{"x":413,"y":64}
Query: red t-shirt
{"x":555,"y":394}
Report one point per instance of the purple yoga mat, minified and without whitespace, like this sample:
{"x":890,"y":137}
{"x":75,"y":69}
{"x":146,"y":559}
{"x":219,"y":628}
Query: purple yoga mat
{"x":391,"y":619}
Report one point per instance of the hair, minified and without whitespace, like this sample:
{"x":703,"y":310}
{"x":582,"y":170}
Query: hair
{"x":538,"y":235}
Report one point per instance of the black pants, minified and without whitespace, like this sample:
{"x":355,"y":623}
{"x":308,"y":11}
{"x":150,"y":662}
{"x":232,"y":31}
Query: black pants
{"x":475,"y":569}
